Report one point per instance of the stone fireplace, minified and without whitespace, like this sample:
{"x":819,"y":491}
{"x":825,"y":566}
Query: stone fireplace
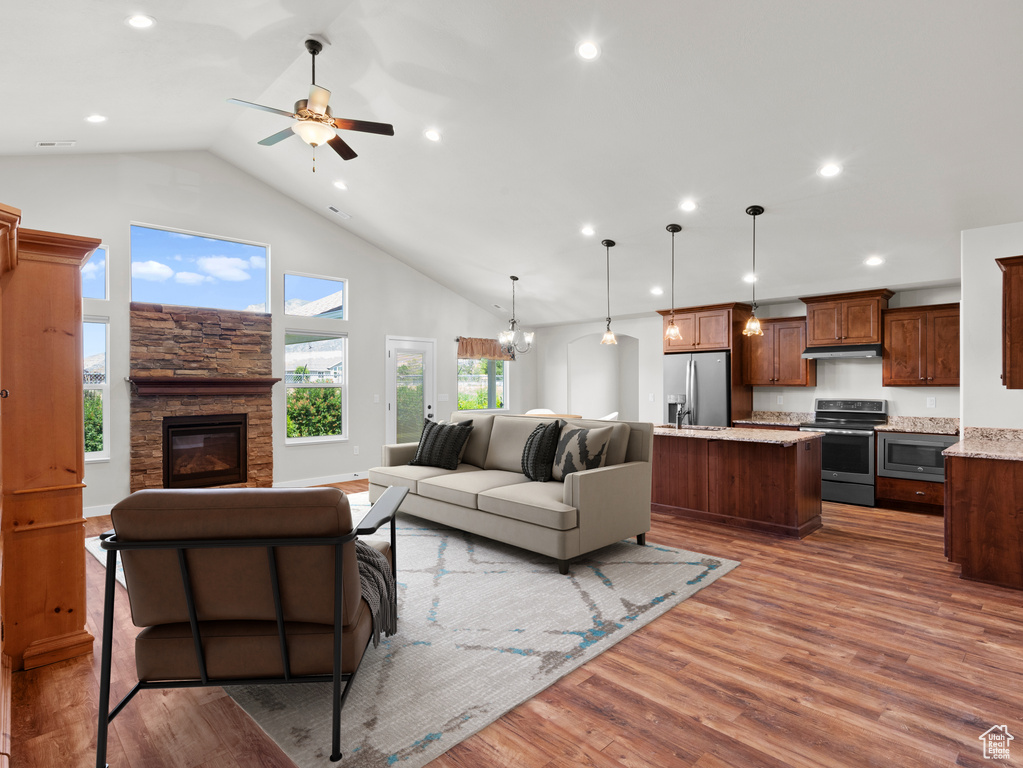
{"x":201,"y":411}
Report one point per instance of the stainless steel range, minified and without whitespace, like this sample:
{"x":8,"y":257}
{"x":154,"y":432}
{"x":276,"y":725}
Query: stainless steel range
{"x":847,"y":450}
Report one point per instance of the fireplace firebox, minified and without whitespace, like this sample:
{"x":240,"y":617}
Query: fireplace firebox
{"x":204,"y":451}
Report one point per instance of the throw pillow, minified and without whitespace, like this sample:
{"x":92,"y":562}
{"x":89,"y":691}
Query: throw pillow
{"x":538,"y":453}
{"x":580,"y":449}
{"x":441,"y":445}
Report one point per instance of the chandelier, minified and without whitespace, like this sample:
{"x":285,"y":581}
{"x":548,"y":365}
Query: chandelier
{"x":514,"y":338}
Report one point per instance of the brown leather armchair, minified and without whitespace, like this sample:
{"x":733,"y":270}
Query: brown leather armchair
{"x":240,"y":587}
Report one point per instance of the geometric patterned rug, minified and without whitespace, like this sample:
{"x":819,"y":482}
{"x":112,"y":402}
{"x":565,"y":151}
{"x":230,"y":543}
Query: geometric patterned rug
{"x":482,"y":627}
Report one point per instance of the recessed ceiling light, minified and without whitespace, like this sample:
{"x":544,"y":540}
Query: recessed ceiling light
{"x":688,"y":205}
{"x":657,"y":290}
{"x":874,"y":261}
{"x":587,"y":230}
{"x":829,"y":169}
{"x":340,"y":185}
{"x":588,"y":50}
{"x":749,"y":277}
{"x":140,"y":21}
{"x":96,"y":119}
{"x":432,"y":134}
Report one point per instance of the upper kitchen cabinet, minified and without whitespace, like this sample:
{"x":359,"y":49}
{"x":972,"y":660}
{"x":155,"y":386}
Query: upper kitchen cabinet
{"x":845,"y":318}
{"x":921,"y":346}
{"x":706,"y":328}
{"x":775,"y":359}
{"x":1012,"y":321}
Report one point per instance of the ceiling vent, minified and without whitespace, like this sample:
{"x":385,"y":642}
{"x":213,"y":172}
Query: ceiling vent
{"x":342,"y":214}
{"x":54,"y":144}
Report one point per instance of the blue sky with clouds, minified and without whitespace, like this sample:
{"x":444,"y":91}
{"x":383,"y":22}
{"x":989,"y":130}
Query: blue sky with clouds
{"x":194,"y":271}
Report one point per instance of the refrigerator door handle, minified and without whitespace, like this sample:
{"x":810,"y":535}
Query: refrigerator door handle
{"x":692,"y":389}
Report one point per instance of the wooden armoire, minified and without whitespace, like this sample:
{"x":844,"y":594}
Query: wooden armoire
{"x":42,"y":551}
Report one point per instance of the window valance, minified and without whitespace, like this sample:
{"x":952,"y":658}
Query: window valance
{"x":481,"y":349}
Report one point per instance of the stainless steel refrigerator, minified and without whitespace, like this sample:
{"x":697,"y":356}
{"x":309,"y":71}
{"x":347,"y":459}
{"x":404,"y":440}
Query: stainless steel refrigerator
{"x":697,"y":388}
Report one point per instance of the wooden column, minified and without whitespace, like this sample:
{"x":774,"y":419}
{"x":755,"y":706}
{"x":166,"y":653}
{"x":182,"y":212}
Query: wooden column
{"x":42,"y":451}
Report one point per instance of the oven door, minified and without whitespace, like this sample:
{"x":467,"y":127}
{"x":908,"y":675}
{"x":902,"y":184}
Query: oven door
{"x":847,"y":455}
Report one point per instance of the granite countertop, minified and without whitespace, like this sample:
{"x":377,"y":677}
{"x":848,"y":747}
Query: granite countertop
{"x":989,"y":443}
{"x":777,"y":418}
{"x":773,"y":436}
{"x":925,"y":425}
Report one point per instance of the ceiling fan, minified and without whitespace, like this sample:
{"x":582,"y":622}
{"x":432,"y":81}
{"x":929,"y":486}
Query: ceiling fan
{"x":314,"y":122}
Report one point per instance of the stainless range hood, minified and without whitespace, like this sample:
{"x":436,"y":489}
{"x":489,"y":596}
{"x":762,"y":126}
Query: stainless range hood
{"x":848,"y":350}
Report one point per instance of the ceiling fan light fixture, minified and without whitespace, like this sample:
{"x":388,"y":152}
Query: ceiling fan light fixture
{"x":313,"y":132}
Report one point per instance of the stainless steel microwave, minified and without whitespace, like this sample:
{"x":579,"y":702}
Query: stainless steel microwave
{"x":912,"y":456}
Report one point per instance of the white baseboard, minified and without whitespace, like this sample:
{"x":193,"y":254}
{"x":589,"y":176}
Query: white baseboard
{"x":97,"y":511}
{"x":306,"y":482}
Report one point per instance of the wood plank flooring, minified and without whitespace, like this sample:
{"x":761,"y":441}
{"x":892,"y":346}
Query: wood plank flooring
{"x":857,"y":646}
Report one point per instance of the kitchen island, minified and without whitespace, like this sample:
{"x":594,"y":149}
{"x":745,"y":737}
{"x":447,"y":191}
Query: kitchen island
{"x":763,"y":480}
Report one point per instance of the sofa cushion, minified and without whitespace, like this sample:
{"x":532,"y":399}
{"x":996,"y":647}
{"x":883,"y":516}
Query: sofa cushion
{"x":479,"y":439}
{"x":441,"y":445}
{"x":580,"y":449}
{"x":462,"y":488}
{"x":508,"y":440}
{"x":619,"y":443}
{"x":538,"y":453}
{"x":409,"y":476}
{"x":536,"y":503}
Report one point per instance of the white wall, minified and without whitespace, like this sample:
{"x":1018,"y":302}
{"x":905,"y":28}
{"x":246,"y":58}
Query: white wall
{"x":861,"y":378}
{"x":99,"y":195}
{"x":986,"y":403}
{"x":640,"y":397}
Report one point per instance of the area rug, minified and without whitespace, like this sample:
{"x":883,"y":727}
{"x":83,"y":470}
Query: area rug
{"x":482,"y":627}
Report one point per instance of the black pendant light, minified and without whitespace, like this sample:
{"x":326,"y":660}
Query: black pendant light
{"x":609,"y":335}
{"x":753,"y":324}
{"x":672,"y":333}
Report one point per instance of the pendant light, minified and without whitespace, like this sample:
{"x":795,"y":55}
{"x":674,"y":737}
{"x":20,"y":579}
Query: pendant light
{"x":513,"y":338}
{"x":672,"y":333}
{"x":609,"y":335}
{"x":753,"y":324}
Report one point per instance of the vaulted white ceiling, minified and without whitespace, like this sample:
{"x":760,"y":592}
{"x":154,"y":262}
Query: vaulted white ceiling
{"x":730,"y":103}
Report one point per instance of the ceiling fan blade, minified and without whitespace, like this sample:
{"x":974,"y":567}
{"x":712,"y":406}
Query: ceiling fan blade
{"x":318,"y":98}
{"x":279,"y":136}
{"x":384,"y":129}
{"x":260,"y":106}
{"x":339,"y":146}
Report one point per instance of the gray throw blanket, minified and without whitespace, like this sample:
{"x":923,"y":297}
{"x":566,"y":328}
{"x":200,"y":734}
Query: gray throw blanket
{"x":378,"y":590}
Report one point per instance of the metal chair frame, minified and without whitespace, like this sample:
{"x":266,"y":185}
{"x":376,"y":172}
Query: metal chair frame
{"x":383,"y":511}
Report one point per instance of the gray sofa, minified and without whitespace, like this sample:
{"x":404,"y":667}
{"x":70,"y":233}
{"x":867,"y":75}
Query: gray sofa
{"x":488,"y":494}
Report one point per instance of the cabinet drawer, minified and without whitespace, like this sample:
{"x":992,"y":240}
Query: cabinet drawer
{"x":919,"y":491}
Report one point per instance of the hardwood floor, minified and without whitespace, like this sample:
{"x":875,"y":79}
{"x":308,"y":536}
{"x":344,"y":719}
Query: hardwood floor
{"x":857,"y":646}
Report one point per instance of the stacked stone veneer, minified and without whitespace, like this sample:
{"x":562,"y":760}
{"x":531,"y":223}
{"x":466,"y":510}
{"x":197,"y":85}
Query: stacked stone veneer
{"x":186,"y":342}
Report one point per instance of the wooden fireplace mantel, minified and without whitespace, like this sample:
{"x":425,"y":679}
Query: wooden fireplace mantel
{"x":206,"y":385}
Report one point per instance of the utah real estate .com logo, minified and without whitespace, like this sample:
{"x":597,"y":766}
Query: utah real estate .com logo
{"x":996,"y":742}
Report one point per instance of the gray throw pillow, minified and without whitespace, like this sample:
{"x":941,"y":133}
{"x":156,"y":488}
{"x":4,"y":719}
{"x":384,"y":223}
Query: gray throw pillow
{"x":538,"y":452}
{"x":580,"y":449}
{"x":441,"y":445}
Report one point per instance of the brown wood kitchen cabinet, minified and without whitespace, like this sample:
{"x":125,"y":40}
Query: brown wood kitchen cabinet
{"x":845,"y":318}
{"x":1012,"y":321}
{"x":706,"y":328}
{"x":921,"y":346}
{"x":775,"y":359}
